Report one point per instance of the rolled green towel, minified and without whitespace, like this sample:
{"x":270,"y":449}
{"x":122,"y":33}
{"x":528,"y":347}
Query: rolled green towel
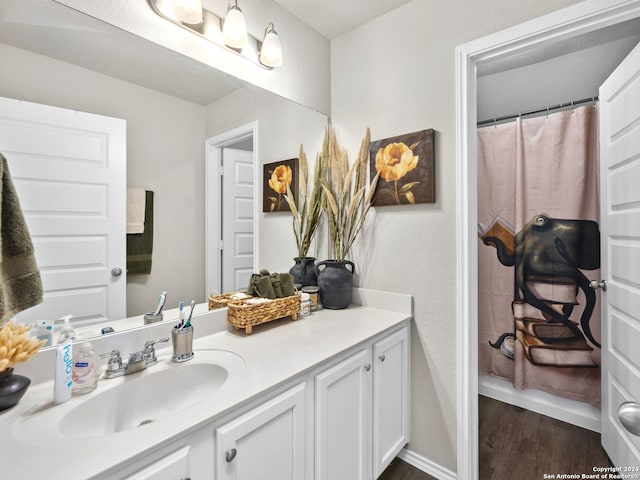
{"x":286,"y":283}
{"x":264,"y":287}
{"x":251,"y":289}
{"x":275,"y":281}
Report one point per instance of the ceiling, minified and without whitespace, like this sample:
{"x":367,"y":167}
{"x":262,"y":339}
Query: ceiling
{"x":332,"y":18}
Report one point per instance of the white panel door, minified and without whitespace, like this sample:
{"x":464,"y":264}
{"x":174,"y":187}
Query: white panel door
{"x":620,"y":223}
{"x":237,"y":219}
{"x":69,"y":169}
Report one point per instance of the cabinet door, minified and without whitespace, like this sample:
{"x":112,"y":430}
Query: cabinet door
{"x":390,"y":398}
{"x":266,"y":443}
{"x":343,"y":420}
{"x":174,"y":466}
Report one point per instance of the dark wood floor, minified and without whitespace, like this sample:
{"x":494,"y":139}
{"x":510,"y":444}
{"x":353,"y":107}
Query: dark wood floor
{"x":399,"y":470}
{"x":518,"y":444}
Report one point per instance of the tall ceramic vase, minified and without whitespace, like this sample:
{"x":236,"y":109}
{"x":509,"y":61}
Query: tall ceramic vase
{"x":335,"y":279}
{"x":304,"y":271}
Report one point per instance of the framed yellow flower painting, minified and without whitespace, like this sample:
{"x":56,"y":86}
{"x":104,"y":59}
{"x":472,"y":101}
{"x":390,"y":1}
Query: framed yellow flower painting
{"x":277,"y":177}
{"x":406,"y":164}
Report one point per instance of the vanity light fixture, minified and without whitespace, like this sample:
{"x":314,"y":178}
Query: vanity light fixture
{"x":230,"y":33}
{"x":271,"y":51}
{"x":188,"y":11}
{"x":234,"y":30}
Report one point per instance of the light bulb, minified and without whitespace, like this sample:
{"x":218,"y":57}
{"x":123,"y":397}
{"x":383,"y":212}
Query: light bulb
{"x":271,"y":51}
{"x":234,"y":31}
{"x":188,"y":11}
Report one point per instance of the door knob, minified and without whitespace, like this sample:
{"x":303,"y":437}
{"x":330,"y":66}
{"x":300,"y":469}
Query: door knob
{"x":230,"y":455}
{"x":116,"y":271}
{"x":595,"y":284}
{"x":629,"y":416}
{"x":382,"y":357}
{"x":367,"y":367}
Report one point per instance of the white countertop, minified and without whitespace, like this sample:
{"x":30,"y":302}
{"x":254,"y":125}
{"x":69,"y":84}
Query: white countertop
{"x":273,"y":354}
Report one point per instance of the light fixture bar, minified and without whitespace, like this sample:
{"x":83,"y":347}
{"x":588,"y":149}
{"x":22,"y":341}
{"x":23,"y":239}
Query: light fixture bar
{"x":211,"y":30}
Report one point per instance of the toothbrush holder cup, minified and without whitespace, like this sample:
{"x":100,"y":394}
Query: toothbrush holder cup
{"x":152,"y":317}
{"x":182,"y":340}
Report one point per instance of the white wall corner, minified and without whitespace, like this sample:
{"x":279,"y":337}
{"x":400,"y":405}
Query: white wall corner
{"x":426,"y":465}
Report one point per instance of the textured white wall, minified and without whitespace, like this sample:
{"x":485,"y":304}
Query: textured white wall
{"x":396,"y":75}
{"x":282,"y":126}
{"x":304,"y":76}
{"x":165,"y":153}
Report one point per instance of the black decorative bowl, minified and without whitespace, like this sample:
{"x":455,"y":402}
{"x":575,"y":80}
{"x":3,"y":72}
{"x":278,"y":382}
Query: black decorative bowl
{"x":12,"y":388}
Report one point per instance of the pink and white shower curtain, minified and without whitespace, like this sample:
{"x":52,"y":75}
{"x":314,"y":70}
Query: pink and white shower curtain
{"x":539,"y":244}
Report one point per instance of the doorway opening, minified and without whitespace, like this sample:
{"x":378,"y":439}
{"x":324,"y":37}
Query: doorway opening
{"x":519,"y":41}
{"x":231,"y":196}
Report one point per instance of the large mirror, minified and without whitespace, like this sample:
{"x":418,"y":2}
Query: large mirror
{"x":172,"y":106}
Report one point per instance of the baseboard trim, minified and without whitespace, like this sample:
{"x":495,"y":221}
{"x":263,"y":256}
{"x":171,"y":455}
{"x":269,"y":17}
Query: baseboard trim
{"x":426,"y":465}
{"x":569,"y":411}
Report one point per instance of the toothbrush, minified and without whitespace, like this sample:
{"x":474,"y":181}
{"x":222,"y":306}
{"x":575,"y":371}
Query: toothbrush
{"x":161,"y":300}
{"x":181,"y":314}
{"x":193,"y":304}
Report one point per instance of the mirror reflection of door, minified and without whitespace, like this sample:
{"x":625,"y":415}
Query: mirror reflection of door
{"x":68,"y":169}
{"x":237,"y":215}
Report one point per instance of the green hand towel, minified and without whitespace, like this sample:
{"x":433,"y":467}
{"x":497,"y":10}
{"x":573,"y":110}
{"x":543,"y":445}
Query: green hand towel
{"x":260,"y":285}
{"x":275,"y":281}
{"x":286,"y":283}
{"x":20,"y":283}
{"x":264,"y":287}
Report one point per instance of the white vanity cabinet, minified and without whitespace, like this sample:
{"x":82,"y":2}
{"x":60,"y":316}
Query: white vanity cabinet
{"x":265,"y":443}
{"x":362,"y":410}
{"x":323,"y":398}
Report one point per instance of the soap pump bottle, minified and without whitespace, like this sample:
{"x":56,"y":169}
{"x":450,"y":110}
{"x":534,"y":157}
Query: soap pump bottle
{"x":86,"y":367}
{"x":67,"y":332}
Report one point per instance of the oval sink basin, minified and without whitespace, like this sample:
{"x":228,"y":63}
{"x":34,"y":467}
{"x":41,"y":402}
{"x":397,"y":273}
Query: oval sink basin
{"x":143,"y":399}
{"x":131,"y":401}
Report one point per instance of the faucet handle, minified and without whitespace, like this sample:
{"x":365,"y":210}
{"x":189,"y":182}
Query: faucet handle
{"x":150,"y":343}
{"x":150,"y":352}
{"x":115,"y":361}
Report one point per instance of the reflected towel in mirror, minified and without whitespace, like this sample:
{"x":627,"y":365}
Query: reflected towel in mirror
{"x":135,"y":210}
{"x":140,"y":245}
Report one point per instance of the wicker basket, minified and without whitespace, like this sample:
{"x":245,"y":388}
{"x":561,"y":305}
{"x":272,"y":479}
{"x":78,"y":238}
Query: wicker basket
{"x":221,"y":301}
{"x":242,"y":314}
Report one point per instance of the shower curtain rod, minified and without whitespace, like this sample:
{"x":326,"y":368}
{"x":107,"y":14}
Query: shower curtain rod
{"x":573,"y":103}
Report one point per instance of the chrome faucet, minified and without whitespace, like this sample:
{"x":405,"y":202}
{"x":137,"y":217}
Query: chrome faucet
{"x":137,"y":360}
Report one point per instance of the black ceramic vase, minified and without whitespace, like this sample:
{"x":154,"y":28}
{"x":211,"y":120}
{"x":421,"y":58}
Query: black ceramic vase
{"x":12,"y":388}
{"x":304,"y":271}
{"x":335,"y":279}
